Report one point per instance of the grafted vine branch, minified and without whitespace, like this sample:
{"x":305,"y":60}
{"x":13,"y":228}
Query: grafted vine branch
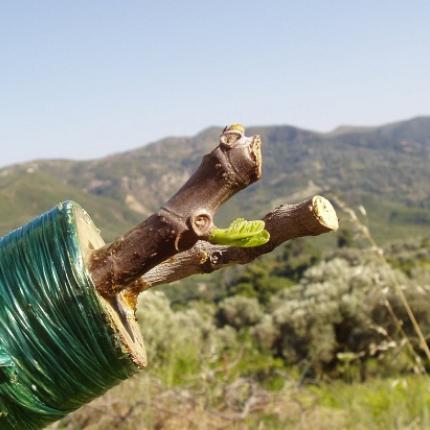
{"x":185,"y":218}
{"x":311,"y":217}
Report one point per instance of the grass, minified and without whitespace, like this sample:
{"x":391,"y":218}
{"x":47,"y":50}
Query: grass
{"x":395,"y":403}
{"x":380,"y":404}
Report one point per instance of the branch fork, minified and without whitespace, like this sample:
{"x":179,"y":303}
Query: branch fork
{"x":184,"y":218}
{"x":173,"y":243}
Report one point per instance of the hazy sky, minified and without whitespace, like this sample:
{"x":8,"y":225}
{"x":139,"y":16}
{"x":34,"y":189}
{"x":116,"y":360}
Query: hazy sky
{"x":82,"y":79}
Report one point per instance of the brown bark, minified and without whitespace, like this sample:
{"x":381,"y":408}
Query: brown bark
{"x":185,"y":218}
{"x":312,"y":217}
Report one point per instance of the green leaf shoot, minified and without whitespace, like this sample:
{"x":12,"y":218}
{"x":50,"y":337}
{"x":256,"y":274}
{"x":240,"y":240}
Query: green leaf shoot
{"x":241,"y":233}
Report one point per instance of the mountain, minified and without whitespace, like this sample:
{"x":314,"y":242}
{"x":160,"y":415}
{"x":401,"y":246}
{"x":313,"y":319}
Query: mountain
{"x":386,"y":169}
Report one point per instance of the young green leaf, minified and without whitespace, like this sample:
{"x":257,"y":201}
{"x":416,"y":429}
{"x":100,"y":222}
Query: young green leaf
{"x":241,"y":233}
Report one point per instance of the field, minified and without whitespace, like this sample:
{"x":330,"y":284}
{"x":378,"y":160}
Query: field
{"x":297,"y":340}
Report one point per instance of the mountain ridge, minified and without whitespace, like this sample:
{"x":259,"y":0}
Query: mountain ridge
{"x":385,"y":168}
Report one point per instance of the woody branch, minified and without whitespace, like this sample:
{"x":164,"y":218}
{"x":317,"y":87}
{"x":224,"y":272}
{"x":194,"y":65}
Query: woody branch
{"x":311,"y":217}
{"x":184,"y":219}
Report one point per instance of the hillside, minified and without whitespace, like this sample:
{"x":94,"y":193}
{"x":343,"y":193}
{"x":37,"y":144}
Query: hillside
{"x":386,"y":169}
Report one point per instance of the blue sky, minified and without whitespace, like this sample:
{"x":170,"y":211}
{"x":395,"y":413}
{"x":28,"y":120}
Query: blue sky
{"x":82,"y":79}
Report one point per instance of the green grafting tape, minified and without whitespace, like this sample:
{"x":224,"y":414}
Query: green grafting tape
{"x":57,"y":350}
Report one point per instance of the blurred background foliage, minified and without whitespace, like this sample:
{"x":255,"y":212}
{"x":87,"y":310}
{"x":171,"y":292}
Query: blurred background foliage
{"x":301,"y":338}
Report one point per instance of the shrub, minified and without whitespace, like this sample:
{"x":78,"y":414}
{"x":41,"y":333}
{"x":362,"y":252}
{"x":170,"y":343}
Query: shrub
{"x":239,"y":312}
{"x":340,"y":306}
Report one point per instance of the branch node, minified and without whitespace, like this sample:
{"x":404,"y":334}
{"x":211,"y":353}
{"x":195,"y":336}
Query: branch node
{"x":201,"y":223}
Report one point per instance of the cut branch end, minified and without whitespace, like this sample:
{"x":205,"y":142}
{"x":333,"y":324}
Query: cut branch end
{"x":325,"y":213}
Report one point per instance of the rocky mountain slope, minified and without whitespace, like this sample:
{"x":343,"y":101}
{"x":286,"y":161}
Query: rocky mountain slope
{"x":385,"y":169}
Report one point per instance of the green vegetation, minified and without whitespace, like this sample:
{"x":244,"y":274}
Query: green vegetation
{"x":313,"y":336}
{"x":295,"y":340}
